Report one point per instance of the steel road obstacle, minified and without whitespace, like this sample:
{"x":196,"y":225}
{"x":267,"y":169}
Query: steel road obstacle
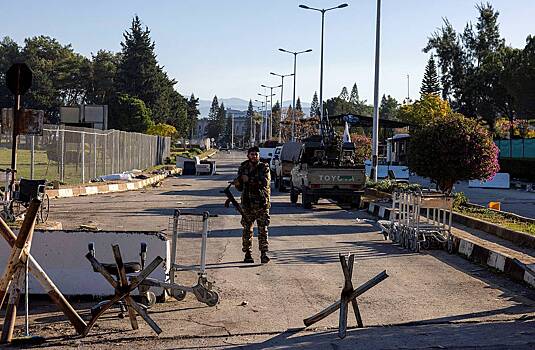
{"x":348,"y":295}
{"x":123,"y":290}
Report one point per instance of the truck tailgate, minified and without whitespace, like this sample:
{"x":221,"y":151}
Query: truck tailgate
{"x":336,"y":177}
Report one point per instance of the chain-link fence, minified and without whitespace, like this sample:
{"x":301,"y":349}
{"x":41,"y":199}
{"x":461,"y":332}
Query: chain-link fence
{"x":77,"y":155}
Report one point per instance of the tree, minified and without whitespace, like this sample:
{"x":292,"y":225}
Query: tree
{"x":221,"y":122}
{"x":430,"y":84}
{"x":315,"y":106}
{"x":164,"y":130}
{"x":276,"y":118}
{"x":213,"y":130}
{"x":427,"y":109}
{"x":363,"y":147}
{"x":193,"y":113}
{"x":448,"y":48}
{"x":101,"y":85}
{"x":344,"y":95}
{"x":9,"y":54}
{"x":453,"y":149}
{"x":227,"y":134}
{"x":138,"y":73}
{"x":59,"y":75}
{"x":354,"y":97}
{"x":389,"y":108}
{"x":248,"y":122}
{"x":129,"y":114}
{"x":298,"y":105}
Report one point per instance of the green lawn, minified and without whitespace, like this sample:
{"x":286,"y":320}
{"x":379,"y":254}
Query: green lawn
{"x":43,"y":169}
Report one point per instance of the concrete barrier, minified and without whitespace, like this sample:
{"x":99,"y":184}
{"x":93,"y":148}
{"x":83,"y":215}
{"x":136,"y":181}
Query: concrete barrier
{"x":62,"y":256}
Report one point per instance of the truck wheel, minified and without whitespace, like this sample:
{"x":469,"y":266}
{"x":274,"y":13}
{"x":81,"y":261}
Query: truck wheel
{"x":307,"y":201}
{"x":282,"y":188}
{"x":355,"y":202}
{"x":293,"y":195}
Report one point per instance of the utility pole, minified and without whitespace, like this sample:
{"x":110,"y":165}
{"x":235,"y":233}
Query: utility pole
{"x":375,"y":133}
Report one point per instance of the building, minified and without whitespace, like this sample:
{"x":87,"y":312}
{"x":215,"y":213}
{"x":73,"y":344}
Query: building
{"x":240,"y":126}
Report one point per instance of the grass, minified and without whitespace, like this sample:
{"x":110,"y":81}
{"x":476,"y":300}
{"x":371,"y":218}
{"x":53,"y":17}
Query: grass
{"x":498,"y":219}
{"x":50,"y":170}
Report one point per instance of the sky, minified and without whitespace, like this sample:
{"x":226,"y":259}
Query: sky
{"x":228,"y":48}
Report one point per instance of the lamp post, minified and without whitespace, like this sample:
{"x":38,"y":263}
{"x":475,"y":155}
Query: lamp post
{"x":271,"y":105}
{"x":321,"y":54}
{"x":265,"y":121}
{"x":262,"y":122}
{"x":282,"y":97}
{"x":375,"y":132}
{"x":295,"y":53}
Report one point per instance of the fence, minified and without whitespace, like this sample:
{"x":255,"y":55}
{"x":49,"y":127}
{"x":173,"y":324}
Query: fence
{"x":77,"y":155}
{"x":516,"y":148}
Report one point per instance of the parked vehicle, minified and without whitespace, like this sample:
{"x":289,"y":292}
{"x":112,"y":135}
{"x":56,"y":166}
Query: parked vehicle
{"x":266,"y":154}
{"x":274,"y":161}
{"x":326,"y":168}
{"x":289,"y":155}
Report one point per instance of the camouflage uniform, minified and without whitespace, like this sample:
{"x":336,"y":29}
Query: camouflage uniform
{"x":255,"y":202}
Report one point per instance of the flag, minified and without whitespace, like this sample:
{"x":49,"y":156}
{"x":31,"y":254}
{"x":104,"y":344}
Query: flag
{"x":347,"y":137}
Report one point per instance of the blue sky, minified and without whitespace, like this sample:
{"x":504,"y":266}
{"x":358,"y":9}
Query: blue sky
{"x":229,"y":47}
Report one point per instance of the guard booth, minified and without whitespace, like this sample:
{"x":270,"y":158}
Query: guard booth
{"x":393,"y":150}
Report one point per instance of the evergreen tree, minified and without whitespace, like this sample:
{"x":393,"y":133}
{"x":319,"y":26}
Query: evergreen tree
{"x":102,"y":83}
{"x":389,"y":108}
{"x":221,"y":121}
{"x":354,"y":97}
{"x":344,"y":95}
{"x":227,"y":136}
{"x":298,"y":105}
{"x":276,"y":118}
{"x":138,"y":71}
{"x":129,"y":114}
{"x":248,"y":122}
{"x":315,"y":106}
{"x":212,"y":130}
{"x":193,"y":114}
{"x":430,"y":84}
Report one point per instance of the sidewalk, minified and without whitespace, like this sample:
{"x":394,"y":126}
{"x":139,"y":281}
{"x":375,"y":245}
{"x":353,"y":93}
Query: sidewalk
{"x":483,"y":248}
{"x":86,"y":190}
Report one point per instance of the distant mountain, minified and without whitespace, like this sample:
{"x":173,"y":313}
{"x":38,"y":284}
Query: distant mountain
{"x":241,"y":105}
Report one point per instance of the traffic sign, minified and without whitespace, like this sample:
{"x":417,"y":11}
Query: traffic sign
{"x":19,"y":78}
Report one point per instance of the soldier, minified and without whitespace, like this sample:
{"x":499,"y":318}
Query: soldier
{"x":253,"y":182}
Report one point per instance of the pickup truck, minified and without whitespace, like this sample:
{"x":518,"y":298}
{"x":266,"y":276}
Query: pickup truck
{"x":289,"y":155}
{"x":320,"y":174}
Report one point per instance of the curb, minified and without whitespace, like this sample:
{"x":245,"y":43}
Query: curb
{"x":110,"y":188}
{"x":481,"y":252}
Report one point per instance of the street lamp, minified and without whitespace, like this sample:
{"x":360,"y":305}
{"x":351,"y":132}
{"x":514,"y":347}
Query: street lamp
{"x":271,"y":104}
{"x":262,"y":122}
{"x":265,"y":122}
{"x":321,"y":54}
{"x":282,"y":97}
{"x":295,"y":53}
{"x":375,"y":131}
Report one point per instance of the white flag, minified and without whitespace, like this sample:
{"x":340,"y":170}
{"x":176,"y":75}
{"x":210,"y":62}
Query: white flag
{"x":347,"y":137}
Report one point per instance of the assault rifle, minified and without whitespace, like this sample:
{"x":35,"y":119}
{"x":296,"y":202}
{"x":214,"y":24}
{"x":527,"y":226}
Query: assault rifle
{"x":231,"y":199}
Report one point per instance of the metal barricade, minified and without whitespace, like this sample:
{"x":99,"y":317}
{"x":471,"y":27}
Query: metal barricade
{"x":419,"y":219}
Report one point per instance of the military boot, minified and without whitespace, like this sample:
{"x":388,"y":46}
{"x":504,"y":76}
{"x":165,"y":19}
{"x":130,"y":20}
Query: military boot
{"x":248,"y":257}
{"x":264,"y":259}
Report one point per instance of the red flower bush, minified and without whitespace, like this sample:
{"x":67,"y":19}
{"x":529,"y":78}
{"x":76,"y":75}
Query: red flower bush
{"x":452,"y":149}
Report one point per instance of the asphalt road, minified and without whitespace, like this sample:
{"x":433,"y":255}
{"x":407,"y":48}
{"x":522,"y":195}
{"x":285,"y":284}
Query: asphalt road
{"x":430,"y":300}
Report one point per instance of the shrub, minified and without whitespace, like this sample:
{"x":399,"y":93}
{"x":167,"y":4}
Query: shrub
{"x":363,"y":147}
{"x":452,"y":149}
